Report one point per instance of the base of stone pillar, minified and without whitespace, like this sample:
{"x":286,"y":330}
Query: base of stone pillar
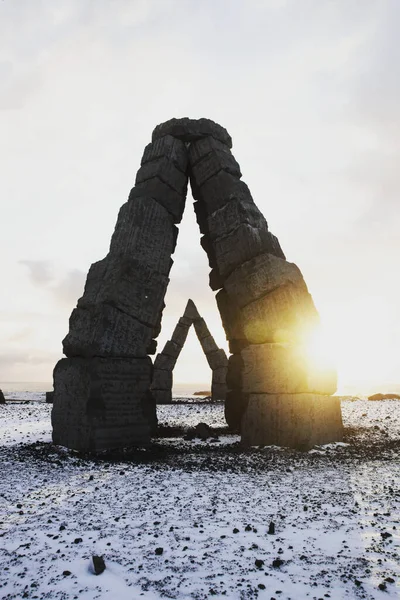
{"x":218,"y":391}
{"x":162,"y":396}
{"x":235,"y":405}
{"x":298,"y":421}
{"x":102,"y":403}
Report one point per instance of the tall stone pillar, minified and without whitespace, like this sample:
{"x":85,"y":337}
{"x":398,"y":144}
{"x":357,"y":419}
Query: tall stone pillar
{"x":101,"y":390}
{"x":265,"y":308}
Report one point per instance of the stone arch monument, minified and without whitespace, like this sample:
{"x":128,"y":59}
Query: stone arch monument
{"x":102,"y":396}
{"x":161,"y":385}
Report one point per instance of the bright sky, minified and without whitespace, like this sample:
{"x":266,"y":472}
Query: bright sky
{"x":309,"y":91}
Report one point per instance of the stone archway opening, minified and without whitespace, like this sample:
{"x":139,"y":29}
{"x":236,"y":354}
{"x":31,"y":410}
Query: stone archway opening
{"x":102,"y":395}
{"x":164,"y":364}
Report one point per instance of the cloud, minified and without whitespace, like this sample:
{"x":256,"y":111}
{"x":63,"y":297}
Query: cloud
{"x":40,"y":271}
{"x":65,"y":290}
{"x":70,"y":288}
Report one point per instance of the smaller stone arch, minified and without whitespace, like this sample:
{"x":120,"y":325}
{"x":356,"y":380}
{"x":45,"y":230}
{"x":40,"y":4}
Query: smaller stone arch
{"x":161,"y":386}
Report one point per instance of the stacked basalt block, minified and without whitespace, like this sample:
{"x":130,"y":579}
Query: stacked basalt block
{"x":165,"y":361}
{"x":102,"y":396}
{"x":265,"y":308}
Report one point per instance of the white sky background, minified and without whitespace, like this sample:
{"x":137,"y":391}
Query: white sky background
{"x":309,"y":91}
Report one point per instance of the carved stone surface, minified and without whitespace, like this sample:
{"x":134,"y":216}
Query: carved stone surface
{"x":218,"y":190}
{"x":283,"y":369}
{"x":215,"y":280}
{"x":218,"y":391}
{"x":126,"y":284}
{"x":145,"y":230}
{"x":165,"y":195}
{"x":296,"y":420}
{"x":102,"y":330}
{"x":237,"y":212}
{"x":283,"y":315}
{"x":235,"y":405}
{"x":162,"y":380}
{"x":213,"y":163}
{"x":49,"y":397}
{"x":219,"y":375}
{"x":169,"y":147}
{"x":191,"y":311}
{"x":261,"y":275}
{"x":190,"y":130}
{"x":102,"y":403}
{"x":201,"y":329}
{"x":162,"y":396}
{"x":164,"y":362}
{"x":217,"y":359}
{"x":180,"y":334}
{"x":208,"y":344}
{"x":204,"y":146}
{"x":243,"y":244}
{"x":230,"y":316}
{"x":172,"y":349}
{"x":165,"y":170}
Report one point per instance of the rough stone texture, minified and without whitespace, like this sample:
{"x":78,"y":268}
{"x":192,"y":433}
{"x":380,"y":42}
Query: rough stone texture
{"x":191,"y":311}
{"x":208,"y":344}
{"x":199,"y":149}
{"x":145,"y":229}
{"x":283,"y":315}
{"x":219,"y":190}
{"x":296,"y":420}
{"x":162,"y":380}
{"x":2,"y":399}
{"x":283,"y":369}
{"x":164,"y":362}
{"x":172,"y":349}
{"x":167,"y":197}
{"x":201,"y":216}
{"x":215,"y":280}
{"x":230,"y":316}
{"x":213,"y":163}
{"x":235,"y":405}
{"x":102,"y":403}
{"x":219,"y":375}
{"x":49,"y":397}
{"x":218,"y":391}
{"x":261,"y":275}
{"x":190,"y":130}
{"x":201,"y":329}
{"x":186,"y":321}
{"x":180,"y":334}
{"x":234,"y":377}
{"x":243,"y":244}
{"x":128,"y":285}
{"x":103,"y":330}
{"x":169,"y":147}
{"x":233,"y":214}
{"x":217,"y":359}
{"x":236,"y":346}
{"x":162,"y":396}
{"x":165,"y":170}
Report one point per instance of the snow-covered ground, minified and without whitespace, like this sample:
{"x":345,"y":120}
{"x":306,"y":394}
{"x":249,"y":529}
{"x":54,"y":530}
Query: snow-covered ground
{"x":190,"y":519}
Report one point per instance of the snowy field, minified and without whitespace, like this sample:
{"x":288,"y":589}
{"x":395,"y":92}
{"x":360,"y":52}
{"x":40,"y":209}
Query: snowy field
{"x":190,"y":519}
